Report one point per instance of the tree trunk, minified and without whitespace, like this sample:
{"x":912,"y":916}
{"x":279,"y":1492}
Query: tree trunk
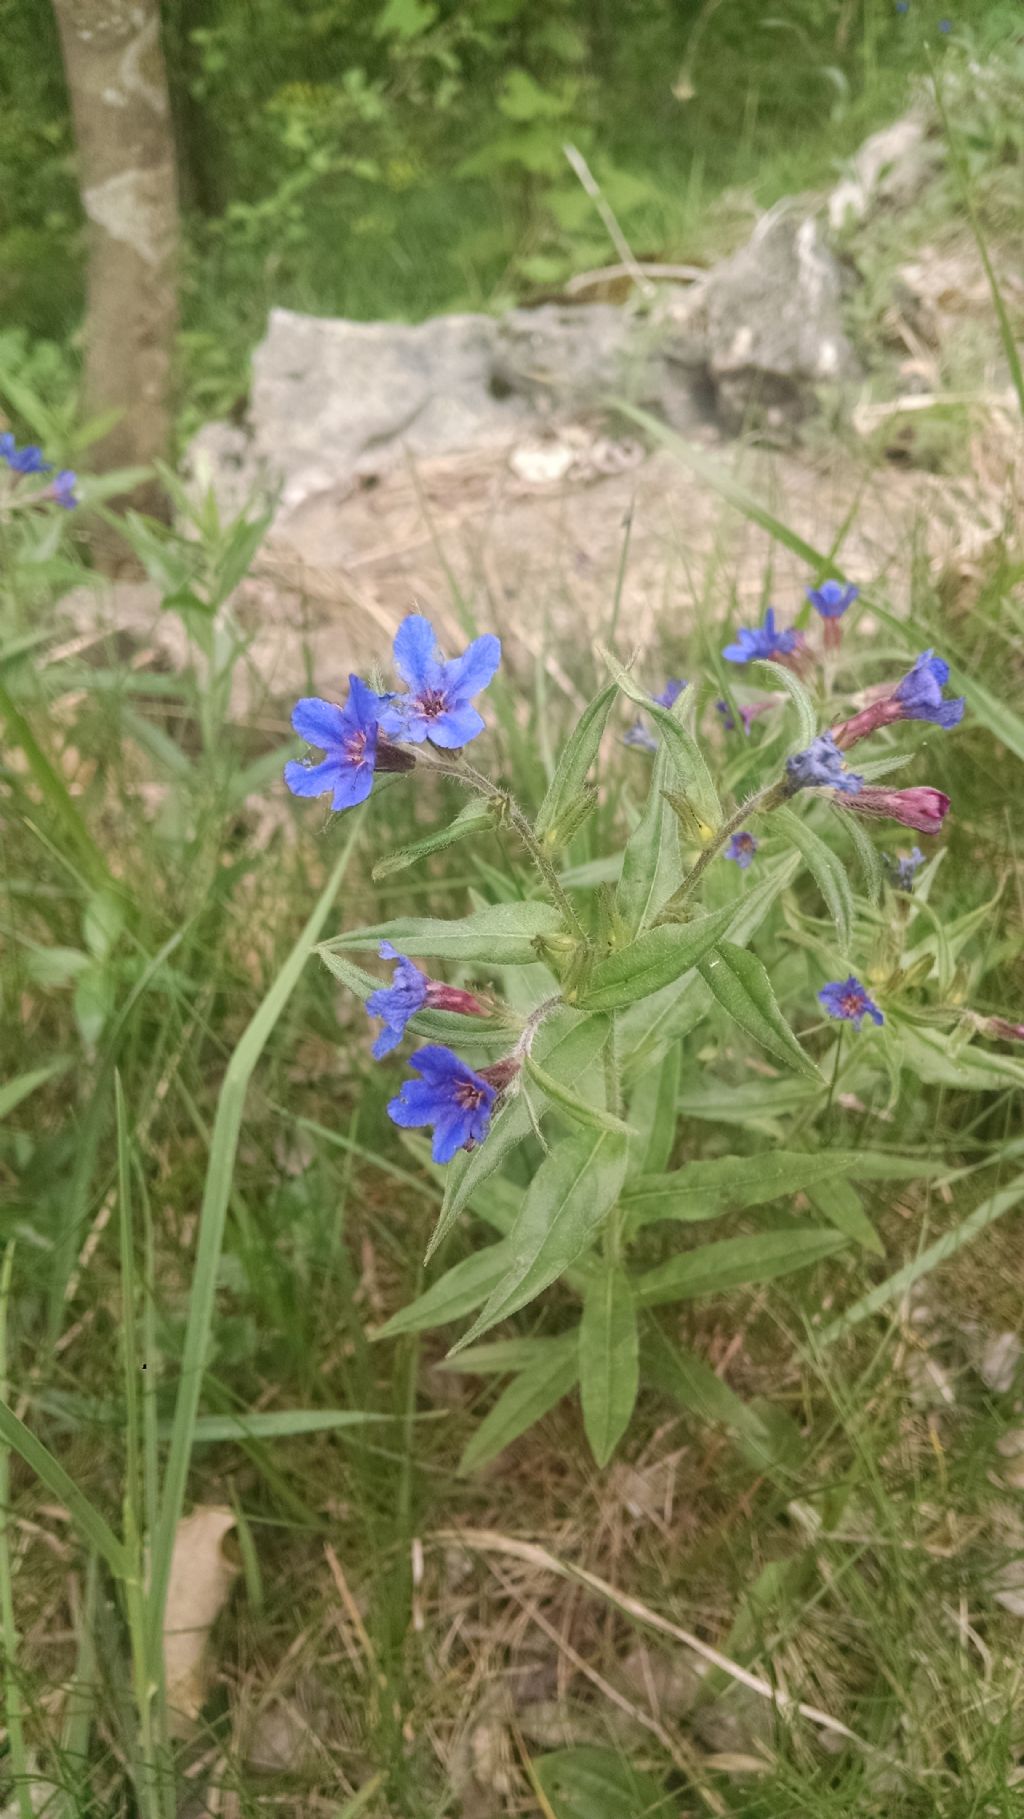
{"x":119,"y":101}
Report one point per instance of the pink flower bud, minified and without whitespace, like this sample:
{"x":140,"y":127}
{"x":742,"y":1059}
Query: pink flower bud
{"x":923,"y":809}
{"x":500,"y":1073}
{"x":450,"y":998}
{"x":880,"y":713}
{"x":1001,"y":1028}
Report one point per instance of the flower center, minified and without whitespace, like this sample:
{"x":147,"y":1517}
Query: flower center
{"x":852,"y":1004}
{"x":355,"y":748}
{"x":468,"y":1096}
{"x":433,"y":702}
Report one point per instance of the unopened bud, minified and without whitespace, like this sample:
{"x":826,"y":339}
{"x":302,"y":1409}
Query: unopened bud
{"x":692,"y":824}
{"x":567,"y":824}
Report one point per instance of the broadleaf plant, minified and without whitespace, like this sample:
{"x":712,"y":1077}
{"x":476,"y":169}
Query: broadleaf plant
{"x":573,"y":1013}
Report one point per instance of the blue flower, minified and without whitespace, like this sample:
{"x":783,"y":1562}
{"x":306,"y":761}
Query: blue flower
{"x":945,"y":25}
{"x":920,"y":693}
{"x":742,"y":848}
{"x":761,"y":641}
{"x":438,"y":705}
{"x":347,"y":736}
{"x":902,"y":870}
{"x":821,"y":767}
{"x":671,"y":692}
{"x":832,"y":599}
{"x":396,"y":1002}
{"x":847,"y":999}
{"x":27,"y":460}
{"x":450,"y":1096}
{"x":638,"y":735}
{"x":62,"y":489}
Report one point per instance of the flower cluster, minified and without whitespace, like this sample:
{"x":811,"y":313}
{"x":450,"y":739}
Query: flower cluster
{"x":821,"y":767}
{"x":29,"y":461}
{"x":358,"y":739}
{"x":366,"y":734}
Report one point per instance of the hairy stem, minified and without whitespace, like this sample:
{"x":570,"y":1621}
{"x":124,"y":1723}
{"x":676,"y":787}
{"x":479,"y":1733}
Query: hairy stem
{"x":466,"y":773}
{"x":767,"y":798}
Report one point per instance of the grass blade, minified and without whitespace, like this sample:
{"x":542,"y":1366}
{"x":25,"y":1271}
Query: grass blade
{"x":219,"y":1174}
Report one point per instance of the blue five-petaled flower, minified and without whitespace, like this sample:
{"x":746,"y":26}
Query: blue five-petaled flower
{"x":847,"y":1000}
{"x":27,"y":460}
{"x":832,"y":599}
{"x":920,"y":693}
{"x":397,"y":1002}
{"x":438,"y":705}
{"x":821,"y":767}
{"x":448,"y":1095}
{"x":761,"y":641}
{"x":347,"y":736}
{"x":742,"y":848}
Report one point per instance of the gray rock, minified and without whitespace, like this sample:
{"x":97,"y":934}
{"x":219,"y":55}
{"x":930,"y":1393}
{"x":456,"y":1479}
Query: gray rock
{"x":773,"y":325}
{"x":570,"y":355}
{"x":890,"y":170}
{"x":334,"y":399}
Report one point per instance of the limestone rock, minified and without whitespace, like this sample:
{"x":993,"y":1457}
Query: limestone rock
{"x":773,"y":324}
{"x":890,"y":170}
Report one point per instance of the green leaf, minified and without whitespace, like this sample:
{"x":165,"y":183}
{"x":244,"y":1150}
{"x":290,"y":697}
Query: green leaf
{"x":502,"y":1357}
{"x":526,"y":1400}
{"x":652,"y":1114}
{"x":840,"y":1204}
{"x":566,"y":1204}
{"x":826,"y":868}
{"x":457,"y":1293}
{"x":93,"y":1001}
{"x":476,"y":818}
{"x":807,"y":717}
{"x":14,"y":1091}
{"x":650,"y":863}
{"x":578,"y":755}
{"x":658,"y":957}
{"x":895,"y":1286}
{"x":759,"y":1103}
{"x":609,"y":1361}
{"x":593,"y":1116}
{"x":867,"y":854}
{"x":736,"y":1263}
{"x":280,"y":1424}
{"x":693,"y":1384}
{"x":704,"y":1190}
{"x":103,"y":922}
{"x":56,"y":965}
{"x":500,"y":935}
{"x":568,"y":1045}
{"x":591,"y":1783}
{"x":682,"y":747}
{"x":742,"y":987}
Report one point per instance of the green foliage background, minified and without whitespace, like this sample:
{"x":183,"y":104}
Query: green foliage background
{"x":406,"y":157}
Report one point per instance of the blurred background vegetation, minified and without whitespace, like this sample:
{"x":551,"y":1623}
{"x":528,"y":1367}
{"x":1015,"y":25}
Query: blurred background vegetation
{"x":404,"y":158}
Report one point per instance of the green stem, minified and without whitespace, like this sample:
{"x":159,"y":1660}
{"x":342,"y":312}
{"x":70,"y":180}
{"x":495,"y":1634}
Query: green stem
{"x":767,"y":798}
{"x":466,"y":773}
{"x":13,"y":1706}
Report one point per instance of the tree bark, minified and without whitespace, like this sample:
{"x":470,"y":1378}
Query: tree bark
{"x":119,"y":101}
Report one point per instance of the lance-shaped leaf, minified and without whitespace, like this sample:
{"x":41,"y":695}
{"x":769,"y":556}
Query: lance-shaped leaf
{"x":736,"y":1263}
{"x":680,"y":744}
{"x":526,"y":1399}
{"x":828,"y":871}
{"x":475,"y":818}
{"x":609,"y":1360}
{"x":742,"y":987}
{"x":705,"y":1190}
{"x":566,"y":1204}
{"x":655,"y":959}
{"x":502,"y":934}
{"x":566,"y":787}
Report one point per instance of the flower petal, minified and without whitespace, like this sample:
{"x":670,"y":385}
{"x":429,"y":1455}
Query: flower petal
{"x":437,"y":1063}
{"x":320,"y":723}
{"x":363,"y":709}
{"x":314,"y":779}
{"x":456,"y":727}
{"x":468,"y":674}
{"x":417,"y":658}
{"x":355,"y":781}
